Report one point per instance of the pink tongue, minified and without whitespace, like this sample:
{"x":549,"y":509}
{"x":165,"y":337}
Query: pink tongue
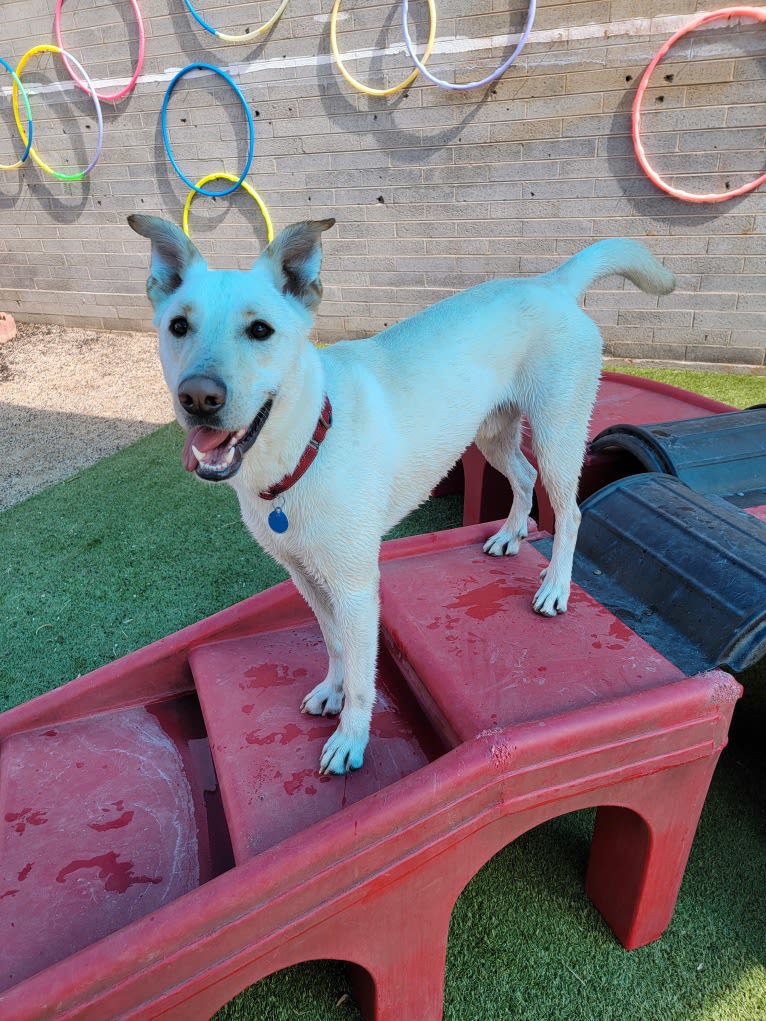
{"x":203,"y":439}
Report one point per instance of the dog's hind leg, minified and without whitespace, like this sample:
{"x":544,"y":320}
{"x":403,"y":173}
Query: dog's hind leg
{"x":560,"y":447}
{"x":499,"y":439}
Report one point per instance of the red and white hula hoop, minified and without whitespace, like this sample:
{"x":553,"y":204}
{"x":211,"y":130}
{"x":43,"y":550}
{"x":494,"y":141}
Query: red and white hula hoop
{"x":114,"y":96}
{"x":758,"y":14}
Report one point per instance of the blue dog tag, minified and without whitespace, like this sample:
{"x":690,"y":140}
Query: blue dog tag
{"x":278,"y":520}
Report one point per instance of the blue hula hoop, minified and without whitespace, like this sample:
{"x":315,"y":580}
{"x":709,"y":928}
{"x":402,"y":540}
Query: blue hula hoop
{"x":250,"y":126}
{"x":24,"y":96}
{"x":468,"y":85}
{"x":199,"y":19}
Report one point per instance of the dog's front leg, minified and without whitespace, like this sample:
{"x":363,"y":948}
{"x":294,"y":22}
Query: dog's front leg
{"x":326,"y":699}
{"x":356,"y":617}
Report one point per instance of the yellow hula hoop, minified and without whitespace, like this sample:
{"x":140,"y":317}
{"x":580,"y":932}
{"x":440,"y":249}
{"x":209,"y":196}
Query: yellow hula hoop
{"x":366,"y":89}
{"x":243,"y":184}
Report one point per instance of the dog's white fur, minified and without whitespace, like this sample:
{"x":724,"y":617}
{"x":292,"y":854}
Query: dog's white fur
{"x":406,"y":404}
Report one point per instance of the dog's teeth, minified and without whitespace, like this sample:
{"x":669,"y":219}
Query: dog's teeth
{"x":198,"y":454}
{"x":229,"y":455}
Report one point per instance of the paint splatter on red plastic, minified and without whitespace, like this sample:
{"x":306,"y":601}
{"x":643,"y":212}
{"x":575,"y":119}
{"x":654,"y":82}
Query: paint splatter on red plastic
{"x":118,"y":874}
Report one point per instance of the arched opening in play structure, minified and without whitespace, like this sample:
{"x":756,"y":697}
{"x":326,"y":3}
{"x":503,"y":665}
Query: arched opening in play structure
{"x":312,"y":989}
{"x":524,"y":927}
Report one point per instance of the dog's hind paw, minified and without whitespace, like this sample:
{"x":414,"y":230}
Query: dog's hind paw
{"x":550,"y":598}
{"x":341,"y":754}
{"x":505,"y":543}
{"x":324,"y":700}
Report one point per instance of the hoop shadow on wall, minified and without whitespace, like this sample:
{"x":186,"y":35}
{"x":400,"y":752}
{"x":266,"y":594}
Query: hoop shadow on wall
{"x":374,"y":113}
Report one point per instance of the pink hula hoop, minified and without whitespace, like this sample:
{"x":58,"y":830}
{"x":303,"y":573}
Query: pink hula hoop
{"x":758,"y":14}
{"x":113,"y":97}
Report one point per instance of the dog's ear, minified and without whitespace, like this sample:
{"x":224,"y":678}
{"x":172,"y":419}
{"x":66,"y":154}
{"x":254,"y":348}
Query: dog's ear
{"x":295,"y":256}
{"x":172,"y":254}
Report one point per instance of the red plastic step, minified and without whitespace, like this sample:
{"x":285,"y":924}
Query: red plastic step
{"x":462,"y":628}
{"x":266,"y":752}
{"x":98,"y":830}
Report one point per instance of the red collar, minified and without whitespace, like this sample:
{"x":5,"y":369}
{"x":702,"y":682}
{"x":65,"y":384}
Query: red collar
{"x":307,"y":457}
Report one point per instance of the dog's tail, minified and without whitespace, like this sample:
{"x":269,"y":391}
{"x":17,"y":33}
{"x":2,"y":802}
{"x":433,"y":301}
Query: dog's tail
{"x":624,"y":256}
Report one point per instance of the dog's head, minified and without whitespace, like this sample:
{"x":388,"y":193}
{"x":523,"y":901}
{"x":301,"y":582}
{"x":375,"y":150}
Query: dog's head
{"x":229,"y":339}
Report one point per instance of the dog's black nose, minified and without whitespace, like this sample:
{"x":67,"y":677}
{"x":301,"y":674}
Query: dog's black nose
{"x":201,"y":395}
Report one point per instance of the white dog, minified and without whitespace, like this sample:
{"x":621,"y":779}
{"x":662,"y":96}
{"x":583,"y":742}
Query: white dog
{"x":258,"y":397}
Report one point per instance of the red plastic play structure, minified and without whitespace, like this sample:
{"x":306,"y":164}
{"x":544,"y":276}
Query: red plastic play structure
{"x":621,"y":398}
{"x":166,"y":840}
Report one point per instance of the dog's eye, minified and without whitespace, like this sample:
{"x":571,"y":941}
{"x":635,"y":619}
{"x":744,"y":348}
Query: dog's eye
{"x":179,"y":326}
{"x":258,"y":330}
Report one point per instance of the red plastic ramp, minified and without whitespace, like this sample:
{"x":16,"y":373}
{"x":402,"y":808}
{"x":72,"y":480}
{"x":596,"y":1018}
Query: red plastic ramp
{"x":554,"y":720}
{"x":99,"y":830}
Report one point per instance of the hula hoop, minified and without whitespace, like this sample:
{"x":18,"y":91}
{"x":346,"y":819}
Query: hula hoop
{"x":366,"y":89}
{"x":246,"y":36}
{"x":45,"y":48}
{"x":468,"y":85}
{"x":17,"y":81}
{"x":104,"y":97}
{"x":251,"y":129}
{"x":759,"y":14}
{"x":244,"y":185}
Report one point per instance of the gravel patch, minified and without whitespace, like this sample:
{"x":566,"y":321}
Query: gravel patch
{"x":69,"y":397}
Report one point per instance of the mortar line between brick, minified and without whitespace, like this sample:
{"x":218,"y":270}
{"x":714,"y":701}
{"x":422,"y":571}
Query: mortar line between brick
{"x":634,"y":27}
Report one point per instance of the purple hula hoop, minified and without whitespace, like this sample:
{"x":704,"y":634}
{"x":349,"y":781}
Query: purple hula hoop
{"x":468,"y":85}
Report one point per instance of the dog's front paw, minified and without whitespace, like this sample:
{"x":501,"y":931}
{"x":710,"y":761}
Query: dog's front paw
{"x":551,"y":598}
{"x":505,"y":543}
{"x":325,"y":700}
{"x":342,"y":753}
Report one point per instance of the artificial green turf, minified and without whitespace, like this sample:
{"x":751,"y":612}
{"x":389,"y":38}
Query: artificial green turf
{"x":127,"y":551}
{"x":741,"y":391}
{"x":134,"y":548}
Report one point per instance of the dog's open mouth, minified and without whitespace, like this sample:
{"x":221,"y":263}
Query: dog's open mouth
{"x":216,"y":455}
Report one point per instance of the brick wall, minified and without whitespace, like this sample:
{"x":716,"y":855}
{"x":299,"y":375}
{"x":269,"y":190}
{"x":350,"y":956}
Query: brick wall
{"x":433,"y":190}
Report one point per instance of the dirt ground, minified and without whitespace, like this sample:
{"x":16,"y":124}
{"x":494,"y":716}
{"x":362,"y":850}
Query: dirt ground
{"x":70,"y":397}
